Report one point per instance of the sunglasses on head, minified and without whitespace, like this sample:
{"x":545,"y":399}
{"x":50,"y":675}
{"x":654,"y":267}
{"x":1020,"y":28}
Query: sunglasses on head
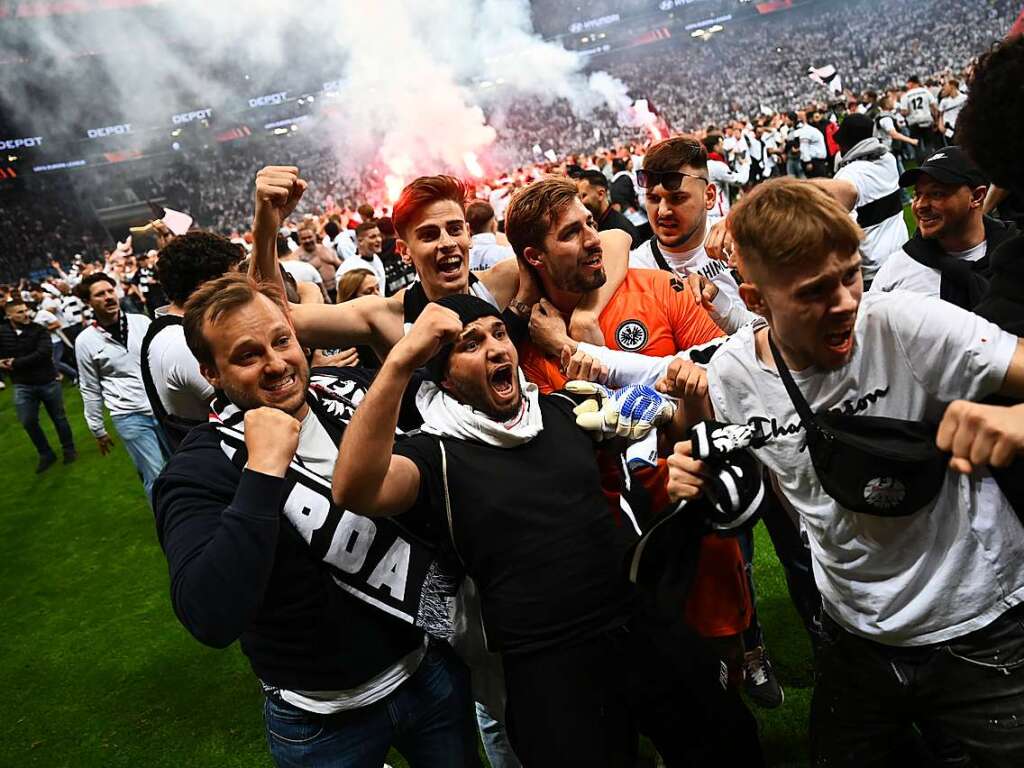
{"x":670,"y":180}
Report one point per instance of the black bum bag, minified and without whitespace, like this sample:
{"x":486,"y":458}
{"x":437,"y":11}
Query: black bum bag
{"x":869,"y":464}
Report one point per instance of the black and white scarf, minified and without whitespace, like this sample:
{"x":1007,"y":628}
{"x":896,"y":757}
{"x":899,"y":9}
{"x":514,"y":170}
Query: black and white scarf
{"x":378,"y":561}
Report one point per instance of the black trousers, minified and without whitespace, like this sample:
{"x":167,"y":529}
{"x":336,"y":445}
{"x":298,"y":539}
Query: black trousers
{"x":585,"y":704}
{"x":969,"y":691}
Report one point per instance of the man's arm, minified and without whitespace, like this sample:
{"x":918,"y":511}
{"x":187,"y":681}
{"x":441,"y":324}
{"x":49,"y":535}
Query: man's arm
{"x":221,"y":557}
{"x":993,"y":198}
{"x":371,"y":320}
{"x":278,"y":191}
{"x":92,"y":393}
{"x":368,"y":479}
{"x":845,"y":192}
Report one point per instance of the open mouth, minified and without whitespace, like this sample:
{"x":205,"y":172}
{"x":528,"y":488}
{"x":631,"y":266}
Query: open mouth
{"x":502,"y":380}
{"x":593,"y":260}
{"x":281,"y":385}
{"x":450,"y":266}
{"x":840,"y":343}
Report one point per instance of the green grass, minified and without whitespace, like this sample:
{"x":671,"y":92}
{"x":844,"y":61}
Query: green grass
{"x":96,"y":670}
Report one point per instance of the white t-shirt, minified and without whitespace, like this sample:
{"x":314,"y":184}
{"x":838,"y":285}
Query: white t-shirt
{"x":812,"y":143}
{"x":46,"y":318}
{"x":950,"y":107}
{"x":917,"y":103}
{"x":722,"y":176}
{"x":885,"y":124}
{"x":729,"y":312}
{"x":900,"y":271}
{"x":874,"y":180}
{"x":182,"y":389}
{"x":486,"y":251}
{"x":302,"y":272}
{"x":950,"y":568}
{"x":375,"y":265}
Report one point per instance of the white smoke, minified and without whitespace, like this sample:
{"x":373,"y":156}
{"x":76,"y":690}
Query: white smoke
{"x":412,"y":77}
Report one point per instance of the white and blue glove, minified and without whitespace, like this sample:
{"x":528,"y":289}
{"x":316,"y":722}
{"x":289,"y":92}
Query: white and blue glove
{"x":631,"y":412}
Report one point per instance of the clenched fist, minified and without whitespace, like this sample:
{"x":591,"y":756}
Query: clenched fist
{"x":979,"y":435}
{"x":436,"y":327}
{"x":686,"y":475}
{"x":271,"y":438}
{"x":278,"y":191}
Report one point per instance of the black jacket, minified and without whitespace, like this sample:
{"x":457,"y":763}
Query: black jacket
{"x":240,"y":571}
{"x":1003,"y":304}
{"x":32,"y":351}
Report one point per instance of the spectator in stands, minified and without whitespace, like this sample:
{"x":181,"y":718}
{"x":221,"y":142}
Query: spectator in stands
{"x":110,"y":374}
{"x":594,"y":192}
{"x":25,"y":355}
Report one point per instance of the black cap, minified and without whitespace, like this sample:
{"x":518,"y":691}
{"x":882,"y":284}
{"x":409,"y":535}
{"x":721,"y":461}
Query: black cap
{"x":854,"y":129}
{"x":950,"y":165}
{"x":469,"y":308}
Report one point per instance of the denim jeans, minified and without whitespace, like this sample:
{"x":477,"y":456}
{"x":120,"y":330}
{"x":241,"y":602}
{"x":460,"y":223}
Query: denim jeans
{"x":58,"y":361}
{"x":495,"y":739}
{"x":145,"y":442}
{"x":429,"y":719}
{"x":968,"y":691}
{"x":27,"y":398}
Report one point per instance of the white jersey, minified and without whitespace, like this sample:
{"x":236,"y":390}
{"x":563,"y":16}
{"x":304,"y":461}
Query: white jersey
{"x":302,"y":271}
{"x":945,"y":571}
{"x":874,"y":180}
{"x":950,"y":107}
{"x":917,"y":104}
{"x":723,"y":177}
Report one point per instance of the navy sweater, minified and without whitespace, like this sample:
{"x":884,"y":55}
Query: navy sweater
{"x":240,"y":571}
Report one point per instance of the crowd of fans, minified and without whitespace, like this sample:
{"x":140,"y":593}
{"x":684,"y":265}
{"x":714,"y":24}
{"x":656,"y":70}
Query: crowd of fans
{"x":520,"y":496}
{"x":742,"y":72}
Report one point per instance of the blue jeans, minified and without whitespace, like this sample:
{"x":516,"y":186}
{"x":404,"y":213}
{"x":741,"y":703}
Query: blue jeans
{"x":58,"y":361}
{"x":27,"y":398}
{"x":145,"y":443}
{"x":429,"y":719}
{"x":495,"y":739}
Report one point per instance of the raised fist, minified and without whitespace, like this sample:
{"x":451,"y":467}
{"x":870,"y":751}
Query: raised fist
{"x":271,"y":438}
{"x":436,"y":327}
{"x":278,"y":191}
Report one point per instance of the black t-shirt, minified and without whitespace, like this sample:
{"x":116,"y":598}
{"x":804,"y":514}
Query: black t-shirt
{"x":534,"y":530}
{"x":149,"y":286}
{"x":613,"y":219}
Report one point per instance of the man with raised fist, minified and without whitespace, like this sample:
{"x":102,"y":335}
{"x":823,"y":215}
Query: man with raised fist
{"x":335,"y":612}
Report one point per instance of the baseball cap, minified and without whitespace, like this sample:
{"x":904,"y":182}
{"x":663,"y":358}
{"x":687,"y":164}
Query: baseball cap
{"x":950,"y":165}
{"x":853,"y":130}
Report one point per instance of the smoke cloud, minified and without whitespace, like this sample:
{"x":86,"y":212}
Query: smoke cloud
{"x":410,"y":79}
